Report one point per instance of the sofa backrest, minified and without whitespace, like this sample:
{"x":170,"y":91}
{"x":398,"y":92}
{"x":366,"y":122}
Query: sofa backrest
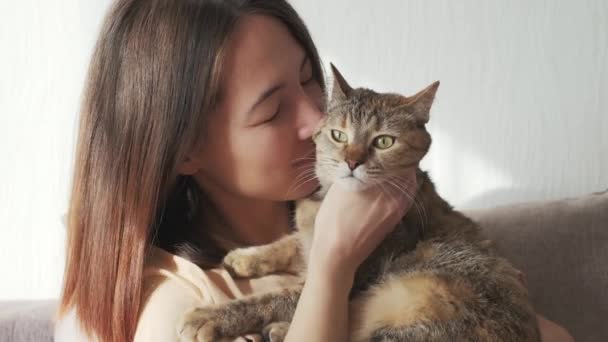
{"x":562,"y":247}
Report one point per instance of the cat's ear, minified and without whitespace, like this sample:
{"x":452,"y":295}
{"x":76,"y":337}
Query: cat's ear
{"x":420,"y":104}
{"x":340,"y":90}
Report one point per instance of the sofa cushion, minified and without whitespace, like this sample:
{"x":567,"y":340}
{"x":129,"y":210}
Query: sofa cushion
{"x":26,"y":321}
{"x":562,"y":247}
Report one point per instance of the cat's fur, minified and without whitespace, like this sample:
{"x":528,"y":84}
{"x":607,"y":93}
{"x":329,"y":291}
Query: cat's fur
{"x":434,"y":278}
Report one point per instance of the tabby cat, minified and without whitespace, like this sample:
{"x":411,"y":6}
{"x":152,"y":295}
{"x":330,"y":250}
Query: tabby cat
{"x":434,"y":278}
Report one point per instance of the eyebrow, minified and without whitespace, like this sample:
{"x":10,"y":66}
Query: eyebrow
{"x":266,"y":94}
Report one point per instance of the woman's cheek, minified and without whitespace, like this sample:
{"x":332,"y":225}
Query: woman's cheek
{"x":265,"y":149}
{"x":316,"y":94}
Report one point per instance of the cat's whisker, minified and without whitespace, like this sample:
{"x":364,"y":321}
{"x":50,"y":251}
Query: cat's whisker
{"x":304,"y":181}
{"x":327,"y":159}
{"x":380,"y":183}
{"x":420,"y":204}
{"x":303,"y":159}
{"x":416,"y":205}
{"x":403,"y":190}
{"x":301,"y":166}
{"x":304,"y":177}
{"x":307,"y":157}
{"x":420,"y":210}
{"x":304,"y":174}
{"x":413,"y":196}
{"x":392,"y":196}
{"x":421,"y":213}
{"x":417,"y":198}
{"x":307,"y":168}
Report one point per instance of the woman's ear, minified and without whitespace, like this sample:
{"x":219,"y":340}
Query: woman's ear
{"x":189,"y":166}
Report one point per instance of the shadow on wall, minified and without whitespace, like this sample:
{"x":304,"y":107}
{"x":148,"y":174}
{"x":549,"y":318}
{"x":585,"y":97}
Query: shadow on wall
{"x":521,"y":113}
{"x":479,"y":170}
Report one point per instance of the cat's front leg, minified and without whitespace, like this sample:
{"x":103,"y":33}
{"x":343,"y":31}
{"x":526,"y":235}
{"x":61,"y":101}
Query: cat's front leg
{"x":279,"y":256}
{"x":201,"y":324}
{"x":239,"y":317}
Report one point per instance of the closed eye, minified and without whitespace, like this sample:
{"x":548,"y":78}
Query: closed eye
{"x":271,"y":118}
{"x":310,"y":79}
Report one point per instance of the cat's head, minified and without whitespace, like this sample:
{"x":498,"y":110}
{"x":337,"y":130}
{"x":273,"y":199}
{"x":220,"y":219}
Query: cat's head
{"x":369,"y":138}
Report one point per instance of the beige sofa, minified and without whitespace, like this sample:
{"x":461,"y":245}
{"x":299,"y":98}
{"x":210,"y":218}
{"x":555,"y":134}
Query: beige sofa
{"x":561,"y":246}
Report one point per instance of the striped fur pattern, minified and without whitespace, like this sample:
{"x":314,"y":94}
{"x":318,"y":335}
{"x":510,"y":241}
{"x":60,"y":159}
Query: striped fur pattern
{"x":434,"y":278}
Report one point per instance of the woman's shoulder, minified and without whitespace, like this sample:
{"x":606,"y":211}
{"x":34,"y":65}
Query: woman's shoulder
{"x":173,"y":285}
{"x":167,"y":271}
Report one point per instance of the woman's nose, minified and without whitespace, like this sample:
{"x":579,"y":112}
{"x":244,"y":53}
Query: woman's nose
{"x":309,"y":116}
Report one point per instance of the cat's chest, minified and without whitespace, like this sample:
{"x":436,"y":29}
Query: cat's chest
{"x":402,"y":240}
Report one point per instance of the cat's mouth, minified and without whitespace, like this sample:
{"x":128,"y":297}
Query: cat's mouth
{"x":352,"y":182}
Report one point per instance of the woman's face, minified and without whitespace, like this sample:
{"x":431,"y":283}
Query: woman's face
{"x":258,"y":142}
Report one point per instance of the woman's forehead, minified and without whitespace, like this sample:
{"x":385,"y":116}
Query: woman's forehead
{"x":260,"y":52}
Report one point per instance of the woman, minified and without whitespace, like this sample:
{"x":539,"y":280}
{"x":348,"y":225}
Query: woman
{"x":194,"y":138}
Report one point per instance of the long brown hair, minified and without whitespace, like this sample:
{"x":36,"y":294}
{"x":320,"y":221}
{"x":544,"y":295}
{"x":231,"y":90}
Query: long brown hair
{"x":153,"y":76}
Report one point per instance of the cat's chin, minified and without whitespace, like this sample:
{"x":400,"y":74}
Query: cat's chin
{"x":352,"y":183}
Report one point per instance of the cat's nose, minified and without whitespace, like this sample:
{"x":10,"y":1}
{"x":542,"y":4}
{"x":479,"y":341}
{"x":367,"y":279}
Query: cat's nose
{"x":352,"y":164}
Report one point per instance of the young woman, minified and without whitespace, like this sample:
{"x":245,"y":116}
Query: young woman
{"x":195,"y":136}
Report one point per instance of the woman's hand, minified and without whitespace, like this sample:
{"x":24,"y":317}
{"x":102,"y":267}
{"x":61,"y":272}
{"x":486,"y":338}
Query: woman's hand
{"x":351,"y":224}
{"x":348,"y":227}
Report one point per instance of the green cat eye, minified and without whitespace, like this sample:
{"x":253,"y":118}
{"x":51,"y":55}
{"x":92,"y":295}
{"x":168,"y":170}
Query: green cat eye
{"x":384,"y":141}
{"x":339,"y":136}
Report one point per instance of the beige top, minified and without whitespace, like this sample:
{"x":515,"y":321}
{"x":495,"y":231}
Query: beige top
{"x":173,"y":285}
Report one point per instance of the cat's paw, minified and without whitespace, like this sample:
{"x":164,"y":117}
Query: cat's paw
{"x":275,"y":332}
{"x":248,"y":262}
{"x":200,"y":325}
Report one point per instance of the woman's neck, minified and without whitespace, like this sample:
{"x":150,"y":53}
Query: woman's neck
{"x":244,"y":221}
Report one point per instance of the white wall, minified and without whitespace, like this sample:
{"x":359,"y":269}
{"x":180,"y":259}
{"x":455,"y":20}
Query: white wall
{"x":520,"y":115}
{"x":522,"y":110}
{"x":44,"y":52}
